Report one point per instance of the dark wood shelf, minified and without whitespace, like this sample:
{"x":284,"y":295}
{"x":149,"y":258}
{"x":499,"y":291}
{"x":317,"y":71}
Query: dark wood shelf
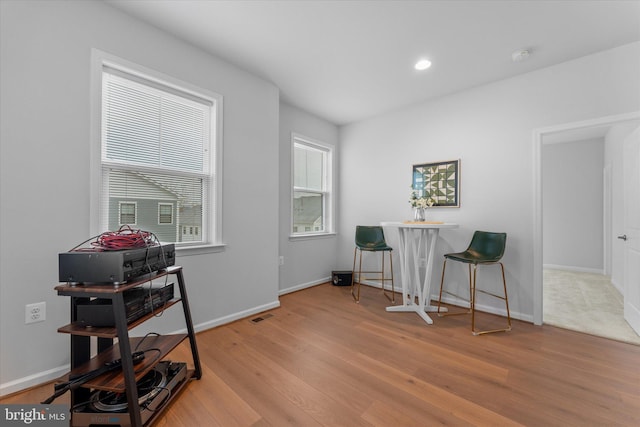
{"x":104,"y":290}
{"x":155,"y":347}
{"x":77,"y":328}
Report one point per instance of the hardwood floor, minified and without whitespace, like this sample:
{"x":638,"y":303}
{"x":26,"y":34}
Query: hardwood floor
{"x":322,"y":360}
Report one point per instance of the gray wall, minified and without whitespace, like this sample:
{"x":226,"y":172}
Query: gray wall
{"x":572,"y":205}
{"x":307,"y":261}
{"x":45,"y":144}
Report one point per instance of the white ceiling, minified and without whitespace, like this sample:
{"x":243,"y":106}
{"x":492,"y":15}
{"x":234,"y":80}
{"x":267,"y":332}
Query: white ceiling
{"x":349,"y":60}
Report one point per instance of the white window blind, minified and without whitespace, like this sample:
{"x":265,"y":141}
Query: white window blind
{"x":156,"y":151}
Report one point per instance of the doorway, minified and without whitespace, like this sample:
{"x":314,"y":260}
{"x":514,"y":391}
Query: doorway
{"x":585,"y":130}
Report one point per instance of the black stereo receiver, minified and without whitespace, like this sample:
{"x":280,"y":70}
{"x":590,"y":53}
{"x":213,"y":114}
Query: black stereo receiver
{"x":103,"y":266}
{"x":137,"y":302}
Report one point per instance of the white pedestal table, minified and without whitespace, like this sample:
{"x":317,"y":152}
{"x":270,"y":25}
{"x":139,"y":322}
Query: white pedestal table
{"x":417,"y":241}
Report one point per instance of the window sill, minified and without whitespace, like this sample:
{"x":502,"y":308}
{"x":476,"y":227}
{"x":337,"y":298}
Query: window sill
{"x":200,"y":249}
{"x":310,"y":236}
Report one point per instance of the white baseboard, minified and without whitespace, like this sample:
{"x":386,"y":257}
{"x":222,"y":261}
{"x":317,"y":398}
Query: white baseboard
{"x":486,"y":308}
{"x":573,"y":268}
{"x":455,"y":301}
{"x":232,"y":317}
{"x":50,"y":375}
{"x":304,"y":285}
{"x":46,"y":376}
{"x":618,"y":286}
{"x":36,"y":379}
{"x":387,"y":287}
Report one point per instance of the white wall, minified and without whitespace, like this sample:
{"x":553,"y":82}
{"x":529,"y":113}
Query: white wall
{"x":307,"y":261}
{"x":490,"y":129}
{"x":45,"y":143}
{"x":572,"y":205}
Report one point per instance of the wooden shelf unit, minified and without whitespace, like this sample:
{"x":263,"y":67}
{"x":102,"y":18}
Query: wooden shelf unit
{"x":155,"y":347}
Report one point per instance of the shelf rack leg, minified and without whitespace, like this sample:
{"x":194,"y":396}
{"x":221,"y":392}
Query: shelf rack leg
{"x":189,"y":322}
{"x":80,"y":352}
{"x":127,"y":361}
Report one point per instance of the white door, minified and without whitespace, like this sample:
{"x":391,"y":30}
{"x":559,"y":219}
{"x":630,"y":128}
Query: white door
{"x":631,"y":236}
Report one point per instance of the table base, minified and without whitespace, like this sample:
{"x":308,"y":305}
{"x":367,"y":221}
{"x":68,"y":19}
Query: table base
{"x":420,"y":311}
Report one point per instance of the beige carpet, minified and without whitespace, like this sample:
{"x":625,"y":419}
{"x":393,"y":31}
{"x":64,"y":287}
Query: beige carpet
{"x":585,"y":302}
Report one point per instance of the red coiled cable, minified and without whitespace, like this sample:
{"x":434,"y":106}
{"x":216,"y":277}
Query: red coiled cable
{"x":124,"y":238}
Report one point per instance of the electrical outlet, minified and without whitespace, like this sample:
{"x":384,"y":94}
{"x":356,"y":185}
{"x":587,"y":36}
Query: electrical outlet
{"x":281,"y":260}
{"x":36,"y":312}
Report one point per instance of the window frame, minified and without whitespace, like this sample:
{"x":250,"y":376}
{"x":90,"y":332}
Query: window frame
{"x":160,"y":205}
{"x":135,"y":212}
{"x":327,"y":191}
{"x":212,"y":225}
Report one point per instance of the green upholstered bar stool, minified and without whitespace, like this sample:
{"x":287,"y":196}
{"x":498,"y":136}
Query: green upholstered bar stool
{"x":371,"y":239}
{"x":486,"y":248}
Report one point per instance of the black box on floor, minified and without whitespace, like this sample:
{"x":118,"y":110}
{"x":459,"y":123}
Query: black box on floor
{"x":341,"y":278}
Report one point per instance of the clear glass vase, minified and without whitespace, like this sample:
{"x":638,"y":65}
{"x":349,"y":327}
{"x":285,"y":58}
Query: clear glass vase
{"x":418,"y":214}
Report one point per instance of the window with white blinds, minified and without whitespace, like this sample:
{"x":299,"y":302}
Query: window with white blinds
{"x":157,"y":155}
{"x":312,"y":199}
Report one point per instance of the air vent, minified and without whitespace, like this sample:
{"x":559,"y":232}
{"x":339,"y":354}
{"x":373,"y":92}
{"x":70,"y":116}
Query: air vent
{"x":261,"y":318}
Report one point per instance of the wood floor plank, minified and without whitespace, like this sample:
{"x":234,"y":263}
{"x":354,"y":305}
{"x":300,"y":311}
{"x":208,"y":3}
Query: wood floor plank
{"x":322,"y":360}
{"x":248,"y":384}
{"x":229,"y":409}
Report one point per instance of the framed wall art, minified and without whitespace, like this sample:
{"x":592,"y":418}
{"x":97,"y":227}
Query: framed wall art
{"x":439,"y":181}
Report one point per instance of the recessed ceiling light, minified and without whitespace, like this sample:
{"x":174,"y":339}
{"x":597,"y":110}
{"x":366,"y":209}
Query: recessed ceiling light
{"x":422,"y":64}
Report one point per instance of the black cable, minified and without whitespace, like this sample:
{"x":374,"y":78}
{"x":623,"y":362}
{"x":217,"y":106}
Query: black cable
{"x":75,"y":382}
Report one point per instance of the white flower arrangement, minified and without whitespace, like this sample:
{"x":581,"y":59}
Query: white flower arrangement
{"x":420,"y":202}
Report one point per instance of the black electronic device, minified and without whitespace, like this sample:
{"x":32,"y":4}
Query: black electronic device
{"x":137,"y":302}
{"x":78,"y":380}
{"x":100,"y":266}
{"x":110,"y":408}
{"x":341,"y":278}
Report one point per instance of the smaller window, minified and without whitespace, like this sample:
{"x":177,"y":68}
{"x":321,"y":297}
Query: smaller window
{"x":165,"y":213}
{"x":312,"y":196}
{"x":127,"y":213}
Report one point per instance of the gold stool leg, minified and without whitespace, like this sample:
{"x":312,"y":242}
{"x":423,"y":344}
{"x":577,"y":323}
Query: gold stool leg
{"x":393,"y":289}
{"x":472,"y":288}
{"x":353,"y":275}
{"x":382,"y":276}
{"x":505,"y":298}
{"x":444,"y":266}
{"x":383,"y":279}
{"x":457,"y":313}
